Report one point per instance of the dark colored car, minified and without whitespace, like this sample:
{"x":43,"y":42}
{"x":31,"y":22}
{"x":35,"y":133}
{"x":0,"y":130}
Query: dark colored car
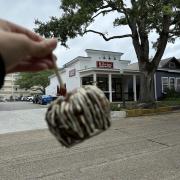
{"x":45,"y":99}
{"x":36,"y":99}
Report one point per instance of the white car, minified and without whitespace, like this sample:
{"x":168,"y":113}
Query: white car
{"x":3,"y":99}
{"x":30,"y":98}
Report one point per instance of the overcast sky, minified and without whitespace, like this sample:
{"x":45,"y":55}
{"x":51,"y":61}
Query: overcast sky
{"x":24,"y":12}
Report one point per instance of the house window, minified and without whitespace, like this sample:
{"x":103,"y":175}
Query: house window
{"x":171,"y":83}
{"x":172,"y":65}
{"x":178,"y":84}
{"x":165,"y":84}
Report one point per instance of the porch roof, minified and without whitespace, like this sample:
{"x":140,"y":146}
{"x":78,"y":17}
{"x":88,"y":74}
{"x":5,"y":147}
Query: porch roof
{"x":115,"y":71}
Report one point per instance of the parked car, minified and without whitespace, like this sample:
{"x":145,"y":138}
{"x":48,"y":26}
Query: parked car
{"x":45,"y":99}
{"x":36,"y":99}
{"x":24,"y":98}
{"x":3,"y":99}
{"x":30,"y":98}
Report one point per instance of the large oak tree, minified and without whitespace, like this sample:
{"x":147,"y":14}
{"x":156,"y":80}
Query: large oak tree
{"x":142,"y":17}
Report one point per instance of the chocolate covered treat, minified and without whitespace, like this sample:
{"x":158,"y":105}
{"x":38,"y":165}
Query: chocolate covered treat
{"x":79,"y":116}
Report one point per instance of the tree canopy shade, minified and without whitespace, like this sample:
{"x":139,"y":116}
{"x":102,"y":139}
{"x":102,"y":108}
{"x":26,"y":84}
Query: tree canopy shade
{"x":40,"y":79}
{"x":141,"y":16}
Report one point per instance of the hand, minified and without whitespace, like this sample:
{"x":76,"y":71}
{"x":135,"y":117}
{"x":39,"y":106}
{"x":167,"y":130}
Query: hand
{"x":33,"y":65}
{"x":23,"y":50}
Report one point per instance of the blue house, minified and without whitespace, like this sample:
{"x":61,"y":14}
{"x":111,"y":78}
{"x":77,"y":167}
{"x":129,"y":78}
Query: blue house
{"x":167,"y":76}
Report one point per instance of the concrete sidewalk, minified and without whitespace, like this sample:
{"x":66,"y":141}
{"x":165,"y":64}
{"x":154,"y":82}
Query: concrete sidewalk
{"x":132,"y":149}
{"x":21,"y":120}
{"x":26,"y":119}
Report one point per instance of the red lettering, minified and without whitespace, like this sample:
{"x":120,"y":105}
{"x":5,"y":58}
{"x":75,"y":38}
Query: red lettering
{"x":104,"y":64}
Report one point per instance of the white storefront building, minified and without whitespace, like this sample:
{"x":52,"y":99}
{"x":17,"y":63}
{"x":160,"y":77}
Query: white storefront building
{"x":105,"y":69}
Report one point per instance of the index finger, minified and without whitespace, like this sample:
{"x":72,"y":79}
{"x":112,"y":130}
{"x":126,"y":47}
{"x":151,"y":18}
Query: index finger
{"x":19,"y":29}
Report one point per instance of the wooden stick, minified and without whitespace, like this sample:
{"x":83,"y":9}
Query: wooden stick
{"x":61,"y":83}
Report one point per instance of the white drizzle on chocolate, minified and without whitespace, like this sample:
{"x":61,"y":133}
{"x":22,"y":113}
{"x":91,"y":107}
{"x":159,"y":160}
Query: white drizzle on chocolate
{"x":79,"y":116}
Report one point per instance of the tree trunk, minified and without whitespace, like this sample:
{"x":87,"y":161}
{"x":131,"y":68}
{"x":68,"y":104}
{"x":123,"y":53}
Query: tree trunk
{"x":147,"y":87}
{"x":43,"y":90}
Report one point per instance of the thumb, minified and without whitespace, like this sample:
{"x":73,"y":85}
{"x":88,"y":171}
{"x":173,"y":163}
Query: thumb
{"x":42,"y":48}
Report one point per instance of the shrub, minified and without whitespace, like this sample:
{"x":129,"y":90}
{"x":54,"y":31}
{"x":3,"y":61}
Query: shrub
{"x":115,"y":107}
{"x":172,"y":94}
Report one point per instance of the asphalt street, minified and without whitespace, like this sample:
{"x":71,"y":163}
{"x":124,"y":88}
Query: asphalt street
{"x":141,"y":148}
{"x":11,"y":106}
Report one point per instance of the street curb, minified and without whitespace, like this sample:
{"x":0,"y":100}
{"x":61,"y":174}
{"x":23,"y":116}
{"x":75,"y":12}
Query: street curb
{"x":143,"y":112}
{"x":118,"y":114}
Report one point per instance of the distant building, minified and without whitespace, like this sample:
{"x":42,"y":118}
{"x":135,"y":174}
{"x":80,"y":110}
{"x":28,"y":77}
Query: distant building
{"x":10,"y":90}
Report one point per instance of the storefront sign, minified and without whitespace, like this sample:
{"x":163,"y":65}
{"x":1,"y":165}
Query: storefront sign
{"x":104,"y":64}
{"x":72,"y":72}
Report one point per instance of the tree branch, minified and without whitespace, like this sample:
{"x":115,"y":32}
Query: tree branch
{"x":163,"y":39}
{"x":102,"y":12}
{"x":103,"y":7}
{"x":110,"y":38}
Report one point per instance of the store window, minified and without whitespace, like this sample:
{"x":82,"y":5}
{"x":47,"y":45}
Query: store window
{"x":117,"y":89}
{"x":178,"y":84}
{"x":87,"y":80}
{"x":102,"y":83}
{"x":165,"y":84}
{"x":171,"y":83}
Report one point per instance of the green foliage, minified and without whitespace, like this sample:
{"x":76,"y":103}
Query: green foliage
{"x":169,"y":102}
{"x":172,"y":94}
{"x":79,"y":14}
{"x":28,"y":80}
{"x":115,"y":107}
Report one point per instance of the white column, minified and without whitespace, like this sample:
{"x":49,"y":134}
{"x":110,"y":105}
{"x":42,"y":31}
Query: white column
{"x":12,"y":88}
{"x":110,"y":87}
{"x":80,"y":81}
{"x":155,"y":90}
{"x":94,"y":79}
{"x":134,"y":88}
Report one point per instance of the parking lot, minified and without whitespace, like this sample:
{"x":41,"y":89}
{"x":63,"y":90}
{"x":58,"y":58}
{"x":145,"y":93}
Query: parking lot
{"x":132,"y":149}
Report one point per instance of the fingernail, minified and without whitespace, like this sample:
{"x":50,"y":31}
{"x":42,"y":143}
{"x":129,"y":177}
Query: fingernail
{"x":52,"y":43}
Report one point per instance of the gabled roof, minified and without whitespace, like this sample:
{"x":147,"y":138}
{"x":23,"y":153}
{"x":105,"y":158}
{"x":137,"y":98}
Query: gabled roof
{"x":163,"y":62}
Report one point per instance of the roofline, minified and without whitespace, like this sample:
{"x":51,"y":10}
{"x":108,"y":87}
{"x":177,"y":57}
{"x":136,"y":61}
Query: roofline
{"x":120,"y":53}
{"x":169,"y":70}
{"x":124,"y":60}
{"x":111,"y":70}
{"x":74,"y":60}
